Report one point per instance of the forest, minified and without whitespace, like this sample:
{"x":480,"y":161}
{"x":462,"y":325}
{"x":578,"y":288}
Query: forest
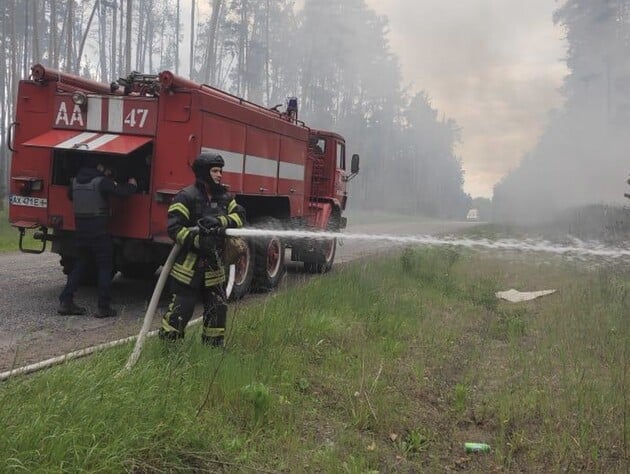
{"x":582,"y":156}
{"x":334,"y":56}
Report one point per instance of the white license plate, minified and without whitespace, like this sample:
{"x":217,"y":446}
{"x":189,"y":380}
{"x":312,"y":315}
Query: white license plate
{"x":28,"y":201}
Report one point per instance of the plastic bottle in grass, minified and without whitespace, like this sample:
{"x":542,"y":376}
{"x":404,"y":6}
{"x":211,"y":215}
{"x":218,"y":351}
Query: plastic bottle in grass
{"x":477,"y":447}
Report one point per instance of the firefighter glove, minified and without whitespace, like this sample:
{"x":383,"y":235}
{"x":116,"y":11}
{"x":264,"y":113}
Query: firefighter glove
{"x":206,"y":223}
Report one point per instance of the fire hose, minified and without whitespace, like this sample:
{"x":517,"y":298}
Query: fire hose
{"x":157,"y":292}
{"x":140,"y":338}
{"x":153,"y":303}
{"x":150,"y":313}
{"x":155,"y":298}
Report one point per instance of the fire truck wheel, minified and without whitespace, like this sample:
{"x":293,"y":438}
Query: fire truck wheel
{"x":139,"y":270}
{"x":269,"y":263}
{"x":323,"y":257}
{"x":244,"y":267}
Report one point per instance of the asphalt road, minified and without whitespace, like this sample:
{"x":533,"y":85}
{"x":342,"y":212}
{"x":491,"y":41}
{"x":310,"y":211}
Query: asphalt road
{"x":31,"y":330}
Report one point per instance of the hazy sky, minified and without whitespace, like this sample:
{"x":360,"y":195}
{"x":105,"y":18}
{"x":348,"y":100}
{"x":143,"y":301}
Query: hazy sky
{"x":495,"y":66}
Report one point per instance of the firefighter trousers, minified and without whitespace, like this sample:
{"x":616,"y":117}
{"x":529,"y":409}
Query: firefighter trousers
{"x":99,"y":249}
{"x":181,"y":308}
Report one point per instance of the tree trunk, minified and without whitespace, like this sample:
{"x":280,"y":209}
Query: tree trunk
{"x":13,"y":71}
{"x":102,"y":32}
{"x":69,"y":25}
{"x":150,"y":35}
{"x":36,"y":39}
{"x":192,"y":41}
{"x":4,"y":113}
{"x":113,"y":60}
{"x":242,"y":50}
{"x":209,"y":70}
{"x":25,"y":44}
{"x":128,"y":37}
{"x":85,"y":35}
{"x":52,"y":43}
{"x":35,"y":32}
{"x":267,"y":82}
{"x":121,"y":54}
{"x":145,"y":36}
{"x":139,"y":38}
{"x":162,"y":41}
{"x":177,"y":40}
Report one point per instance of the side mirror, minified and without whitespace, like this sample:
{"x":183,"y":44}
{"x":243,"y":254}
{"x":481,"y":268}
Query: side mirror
{"x":354,"y":168}
{"x":354,"y":164}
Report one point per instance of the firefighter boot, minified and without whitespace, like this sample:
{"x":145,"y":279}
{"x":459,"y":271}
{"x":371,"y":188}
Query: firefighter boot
{"x":106,"y":313}
{"x":170,"y":335}
{"x":68,"y":308}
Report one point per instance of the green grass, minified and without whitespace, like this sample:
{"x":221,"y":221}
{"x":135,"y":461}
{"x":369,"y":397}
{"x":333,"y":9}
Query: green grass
{"x":9,"y":236}
{"x":382,"y":366}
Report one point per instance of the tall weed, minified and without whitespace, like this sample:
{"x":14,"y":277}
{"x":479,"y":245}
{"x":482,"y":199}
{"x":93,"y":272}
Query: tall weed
{"x":381,"y":366}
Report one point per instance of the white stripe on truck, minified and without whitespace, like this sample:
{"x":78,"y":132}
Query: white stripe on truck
{"x":256,"y":165}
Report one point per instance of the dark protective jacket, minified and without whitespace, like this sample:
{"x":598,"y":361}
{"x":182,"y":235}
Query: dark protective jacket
{"x":189,"y":205}
{"x":89,"y":191}
{"x":87,"y":200}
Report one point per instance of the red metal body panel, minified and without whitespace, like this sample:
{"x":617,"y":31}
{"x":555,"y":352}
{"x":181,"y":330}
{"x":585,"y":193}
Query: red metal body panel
{"x":35,"y":139}
{"x":292,"y":173}
{"x":261,"y":162}
{"x":130,"y":217}
{"x":89,"y":141}
{"x":321,"y":215}
{"x":227,"y":138}
{"x":33,"y":117}
{"x":133,"y":115}
{"x":177,"y":143}
{"x":270,"y":160}
{"x":60,"y":205}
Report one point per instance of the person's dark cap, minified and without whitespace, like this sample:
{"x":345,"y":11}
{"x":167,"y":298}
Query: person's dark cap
{"x":211,"y":159}
{"x":205,"y":162}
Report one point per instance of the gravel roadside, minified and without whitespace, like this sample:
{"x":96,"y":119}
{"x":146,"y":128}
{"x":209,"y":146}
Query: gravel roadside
{"x":31,"y":330}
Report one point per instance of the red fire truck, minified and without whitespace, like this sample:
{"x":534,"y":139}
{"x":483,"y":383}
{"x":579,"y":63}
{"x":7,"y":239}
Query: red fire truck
{"x":151,"y":127}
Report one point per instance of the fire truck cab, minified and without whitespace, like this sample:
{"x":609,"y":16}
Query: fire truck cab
{"x":151,"y":128}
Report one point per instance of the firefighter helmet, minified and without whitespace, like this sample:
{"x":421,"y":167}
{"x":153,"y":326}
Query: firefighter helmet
{"x":205,"y":162}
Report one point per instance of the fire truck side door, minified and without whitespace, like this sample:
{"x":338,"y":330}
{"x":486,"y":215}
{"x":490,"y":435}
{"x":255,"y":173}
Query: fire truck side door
{"x":340,"y":172}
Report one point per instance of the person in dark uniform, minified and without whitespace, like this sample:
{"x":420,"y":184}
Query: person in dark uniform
{"x":197,"y":219}
{"x":89,"y":193}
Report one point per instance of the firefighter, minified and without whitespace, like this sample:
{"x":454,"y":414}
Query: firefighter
{"x":197,"y":219}
{"x":89,"y":193}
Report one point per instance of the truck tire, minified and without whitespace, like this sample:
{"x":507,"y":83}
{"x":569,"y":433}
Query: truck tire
{"x":321,"y":255}
{"x":269,"y":260}
{"x":244,"y":267}
{"x":322,"y":258}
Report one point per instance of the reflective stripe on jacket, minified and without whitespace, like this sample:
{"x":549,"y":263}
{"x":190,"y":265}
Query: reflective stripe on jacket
{"x":189,"y":205}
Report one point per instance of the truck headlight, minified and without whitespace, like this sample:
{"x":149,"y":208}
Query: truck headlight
{"x":79,"y":98}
